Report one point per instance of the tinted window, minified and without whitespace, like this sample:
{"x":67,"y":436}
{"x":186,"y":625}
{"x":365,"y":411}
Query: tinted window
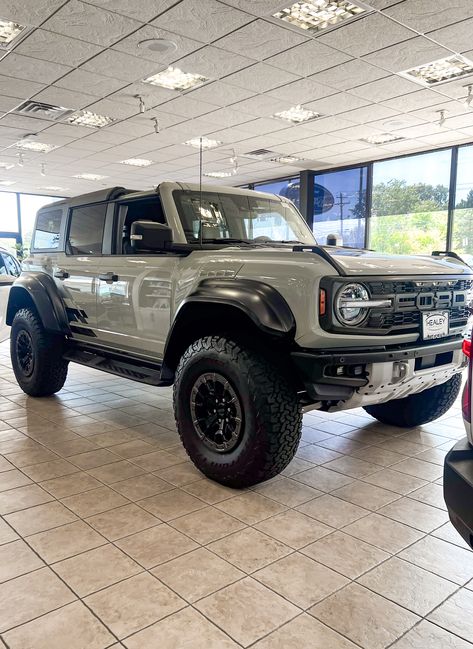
{"x":47,"y":231}
{"x":11,"y":265}
{"x":86,"y":230}
{"x":288,"y":188}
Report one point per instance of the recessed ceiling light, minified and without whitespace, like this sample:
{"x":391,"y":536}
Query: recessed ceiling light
{"x":429,"y":74}
{"x":297,"y":114}
{"x":7,"y":182}
{"x":137,"y":162}
{"x":54,"y":188}
{"x":218,"y":174}
{"x":92,"y":120}
{"x":176,"y":79}
{"x":286,"y":159}
{"x":203,"y":142}
{"x":87,"y":176}
{"x":6,"y":165}
{"x":37,"y":147}
{"x":9,"y":32}
{"x":158,"y":45}
{"x":319,"y":14}
{"x":382,"y":138}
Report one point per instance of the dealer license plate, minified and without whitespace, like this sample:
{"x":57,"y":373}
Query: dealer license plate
{"x":435,"y":324}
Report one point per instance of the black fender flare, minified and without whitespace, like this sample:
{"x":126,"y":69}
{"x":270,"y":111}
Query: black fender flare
{"x":40,"y":289}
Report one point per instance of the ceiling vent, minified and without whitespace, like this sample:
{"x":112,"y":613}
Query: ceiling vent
{"x":44,"y":111}
{"x":259,"y":154}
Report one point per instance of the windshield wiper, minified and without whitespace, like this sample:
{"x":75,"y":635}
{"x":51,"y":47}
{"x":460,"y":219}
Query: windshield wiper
{"x":225,"y":240}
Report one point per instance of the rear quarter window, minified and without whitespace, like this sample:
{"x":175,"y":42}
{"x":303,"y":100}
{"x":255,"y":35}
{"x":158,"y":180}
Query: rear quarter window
{"x":48,"y":230}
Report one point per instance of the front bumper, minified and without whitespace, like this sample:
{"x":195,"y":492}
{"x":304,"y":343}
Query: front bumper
{"x":458,"y":488}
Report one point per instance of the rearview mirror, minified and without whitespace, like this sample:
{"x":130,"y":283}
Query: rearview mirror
{"x":150,"y":236}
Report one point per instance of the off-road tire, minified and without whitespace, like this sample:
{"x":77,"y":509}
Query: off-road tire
{"x":272,"y":417}
{"x":420,"y":408}
{"x":49,"y":369}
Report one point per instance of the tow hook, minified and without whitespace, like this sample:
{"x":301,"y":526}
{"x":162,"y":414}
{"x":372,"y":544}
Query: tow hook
{"x":400,"y":369}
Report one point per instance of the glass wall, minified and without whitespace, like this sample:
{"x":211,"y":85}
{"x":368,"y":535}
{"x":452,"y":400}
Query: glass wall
{"x":340,"y":206}
{"x":29,"y":205}
{"x":462,"y":230}
{"x":409,"y":212}
{"x":290,"y":188}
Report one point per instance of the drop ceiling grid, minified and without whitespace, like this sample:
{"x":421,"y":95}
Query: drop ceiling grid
{"x":236,"y":50}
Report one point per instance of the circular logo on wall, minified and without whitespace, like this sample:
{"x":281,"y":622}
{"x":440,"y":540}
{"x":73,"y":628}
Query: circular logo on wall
{"x":323,"y":199}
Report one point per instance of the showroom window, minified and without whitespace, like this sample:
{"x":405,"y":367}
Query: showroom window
{"x":86,"y":230}
{"x":409,"y":212}
{"x":29,"y":205}
{"x":339,"y":206}
{"x":462,"y":230}
{"x":289,"y":188}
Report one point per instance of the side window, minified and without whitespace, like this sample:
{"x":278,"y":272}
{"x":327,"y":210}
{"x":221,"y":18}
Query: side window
{"x":3,"y":266}
{"x":11,"y":265}
{"x":86,"y":230}
{"x":48,"y":227}
{"x":138,"y":210}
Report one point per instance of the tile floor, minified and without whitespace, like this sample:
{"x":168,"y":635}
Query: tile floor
{"x":109,"y":537}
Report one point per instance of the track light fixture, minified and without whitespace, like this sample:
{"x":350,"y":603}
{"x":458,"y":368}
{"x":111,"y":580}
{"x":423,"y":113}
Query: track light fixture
{"x":43,"y":169}
{"x":469,"y":97}
{"x":21,"y":160}
{"x":442,"y":118}
{"x":156,"y":124}
{"x":141,"y":103}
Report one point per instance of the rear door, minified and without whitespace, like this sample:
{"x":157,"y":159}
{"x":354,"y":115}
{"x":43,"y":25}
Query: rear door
{"x":9,"y":271}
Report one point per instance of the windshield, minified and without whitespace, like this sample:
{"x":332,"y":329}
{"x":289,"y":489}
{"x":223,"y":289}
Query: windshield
{"x":236,"y":217}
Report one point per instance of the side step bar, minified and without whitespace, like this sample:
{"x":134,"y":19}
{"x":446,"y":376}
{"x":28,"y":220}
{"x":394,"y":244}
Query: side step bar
{"x":128,"y":369}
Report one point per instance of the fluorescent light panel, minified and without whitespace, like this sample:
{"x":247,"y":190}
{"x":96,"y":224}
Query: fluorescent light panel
{"x":32,"y":145}
{"x":89,"y":119}
{"x":317,"y":15}
{"x":137,"y":162}
{"x":9,"y":32}
{"x":286,"y":159}
{"x":176,"y":79}
{"x":205,"y":142}
{"x":218,"y":174}
{"x":382,"y":138}
{"x":7,"y":182}
{"x":297,"y":115}
{"x":54,"y":188}
{"x":6,"y":165}
{"x":429,"y":74}
{"x":86,"y":176}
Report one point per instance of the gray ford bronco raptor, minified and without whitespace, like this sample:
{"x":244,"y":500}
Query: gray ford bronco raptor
{"x":225,"y":294}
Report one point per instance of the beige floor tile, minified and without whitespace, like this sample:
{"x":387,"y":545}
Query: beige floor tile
{"x":49,"y":470}
{"x":442,"y":558}
{"x":156,"y":460}
{"x":345,"y":554}
{"x":352,"y":466}
{"x":70,"y":485}
{"x":383,"y":533}
{"x":117,"y":438}
{"x":22,"y":497}
{"x":456,"y":614}
{"x":408,"y":585}
{"x":53,"y":631}
{"x":209,"y":491}
{"x":12,"y":479}
{"x":288,"y":492}
{"x":431,"y":494}
{"x":366,"y":495}
{"x":207,"y":525}
{"x":197,"y":574}
{"x":377,"y":455}
{"x":403,"y":446}
{"x":294,"y":528}
{"x":180,"y":474}
{"x":94,"y":501}
{"x":142,"y":486}
{"x":419,"y":469}
{"x":304,"y":632}
{"x":418,"y":515}
{"x":65,"y":541}
{"x":323,"y":479}
{"x":122,"y":521}
{"x":6,"y":533}
{"x":131,"y":605}
{"x":429,"y":636}
{"x":116,"y":471}
{"x":171,"y":504}
{"x":448,"y":533}
{"x":40,"y":518}
{"x":297,"y":465}
{"x":93,"y":459}
{"x":317,"y":454}
{"x":434,"y":455}
{"x":364,"y":617}
{"x":342,"y":444}
{"x":400,"y":483}
{"x":301,"y":580}
{"x":250,"y":507}
{"x":31,"y":595}
{"x":332,"y":511}
{"x":95,"y":569}
{"x":17,"y":559}
{"x":249,"y":549}
{"x":156,"y":545}
{"x":74,"y":447}
{"x":247,"y":610}
{"x":187,"y":628}
{"x":34,"y":456}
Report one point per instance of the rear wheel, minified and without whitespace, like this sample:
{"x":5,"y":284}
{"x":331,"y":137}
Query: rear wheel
{"x":237,"y":414}
{"x":36,"y":355}
{"x":419,"y":408}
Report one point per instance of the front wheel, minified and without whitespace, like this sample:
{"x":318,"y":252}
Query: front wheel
{"x":420,"y":408}
{"x":237,"y":414}
{"x":36,"y":356}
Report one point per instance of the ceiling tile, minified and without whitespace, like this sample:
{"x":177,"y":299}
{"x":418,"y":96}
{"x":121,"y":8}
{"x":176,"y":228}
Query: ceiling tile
{"x":387,"y":88}
{"x":113,"y":109}
{"x":186,"y":107}
{"x":24,"y":67}
{"x":62,"y":97}
{"x":301,"y":92}
{"x":225,"y":117}
{"x":414,"y":100}
{"x":260,"y":78}
{"x":205,"y":21}
{"x":49,"y":46}
{"x":8,"y":103}
{"x":29,"y":124}
{"x":152,"y":95}
{"x":130,"y":45}
{"x":144,"y":10}
{"x":96,"y":84}
{"x":88,"y":23}
{"x":417,"y":51}
{"x":349,"y":74}
{"x":457,"y":36}
{"x":27,"y":12}
{"x":260,"y":106}
{"x":120,"y":66}
{"x":371,"y":113}
{"x":333,"y":124}
{"x":368,"y":34}
{"x":69,"y":130}
{"x":19,"y":87}
{"x":320,"y":141}
{"x":425,"y":15}
{"x":213,"y":62}
{"x":356,"y":132}
{"x":221,"y":93}
{"x":340,"y":102}
{"x":261,"y":39}
{"x":308,"y":58}
{"x":259,"y":8}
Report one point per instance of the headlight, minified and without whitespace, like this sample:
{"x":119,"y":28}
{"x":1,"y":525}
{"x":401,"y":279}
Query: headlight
{"x":349,"y":307}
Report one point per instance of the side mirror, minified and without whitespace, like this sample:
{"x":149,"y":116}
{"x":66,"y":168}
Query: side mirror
{"x":148,"y":235}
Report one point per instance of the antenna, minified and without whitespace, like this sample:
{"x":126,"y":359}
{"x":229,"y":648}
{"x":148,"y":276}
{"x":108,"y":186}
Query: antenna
{"x":200,"y":192}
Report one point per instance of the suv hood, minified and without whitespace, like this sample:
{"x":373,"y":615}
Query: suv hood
{"x":355,"y":262}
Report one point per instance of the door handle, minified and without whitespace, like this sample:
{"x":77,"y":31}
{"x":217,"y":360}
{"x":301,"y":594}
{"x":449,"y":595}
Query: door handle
{"x":61,"y":274}
{"x":108,"y":277}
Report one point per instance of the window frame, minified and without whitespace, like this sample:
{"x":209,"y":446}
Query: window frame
{"x":62,"y":227}
{"x":118,"y":222}
{"x":67,"y":231}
